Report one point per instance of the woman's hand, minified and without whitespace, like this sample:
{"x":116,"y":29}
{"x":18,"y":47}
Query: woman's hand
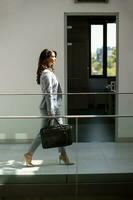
{"x":51,"y":114}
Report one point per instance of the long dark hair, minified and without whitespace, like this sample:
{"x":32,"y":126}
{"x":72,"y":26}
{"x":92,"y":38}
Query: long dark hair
{"x":45,"y":54}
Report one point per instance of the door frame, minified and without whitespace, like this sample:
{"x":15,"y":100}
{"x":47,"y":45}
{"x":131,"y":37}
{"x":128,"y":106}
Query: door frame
{"x":116,"y":14}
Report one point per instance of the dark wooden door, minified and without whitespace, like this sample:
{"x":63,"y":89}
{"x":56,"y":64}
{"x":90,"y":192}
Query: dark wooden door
{"x":78,"y":60}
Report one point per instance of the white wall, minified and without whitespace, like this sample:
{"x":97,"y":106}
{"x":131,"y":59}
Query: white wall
{"x":27,"y":27}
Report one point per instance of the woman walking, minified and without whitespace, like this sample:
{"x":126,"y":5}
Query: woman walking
{"x":51,"y":101}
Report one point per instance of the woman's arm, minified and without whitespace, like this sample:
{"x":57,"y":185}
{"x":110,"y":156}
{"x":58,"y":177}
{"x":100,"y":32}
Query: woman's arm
{"x":47,"y":87}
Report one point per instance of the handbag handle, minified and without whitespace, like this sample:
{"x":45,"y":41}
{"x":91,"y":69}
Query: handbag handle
{"x":56,"y":122}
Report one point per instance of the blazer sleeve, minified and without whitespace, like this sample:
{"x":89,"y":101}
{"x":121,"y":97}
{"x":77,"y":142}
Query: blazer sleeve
{"x":47,"y":87}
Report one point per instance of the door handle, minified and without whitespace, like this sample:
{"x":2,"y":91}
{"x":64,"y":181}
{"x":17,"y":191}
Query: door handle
{"x":69,"y":44}
{"x":111,"y":86}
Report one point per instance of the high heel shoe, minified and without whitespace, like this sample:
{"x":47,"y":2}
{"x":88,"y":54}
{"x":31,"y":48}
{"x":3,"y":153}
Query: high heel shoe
{"x":63,"y":157}
{"x":28,"y":159}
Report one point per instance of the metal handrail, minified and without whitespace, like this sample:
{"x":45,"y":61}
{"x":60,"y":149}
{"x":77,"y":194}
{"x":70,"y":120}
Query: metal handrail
{"x":64,"y":116}
{"x":69,"y":93}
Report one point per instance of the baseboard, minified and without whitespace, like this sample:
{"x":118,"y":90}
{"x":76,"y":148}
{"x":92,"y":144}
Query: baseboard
{"x":15,"y":141}
{"x":124,"y":139}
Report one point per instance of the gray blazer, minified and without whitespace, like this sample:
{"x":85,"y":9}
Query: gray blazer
{"x":49,"y":84}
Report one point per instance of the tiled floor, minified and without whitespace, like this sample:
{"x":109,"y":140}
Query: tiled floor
{"x":89,"y":158}
{"x":93,"y":163}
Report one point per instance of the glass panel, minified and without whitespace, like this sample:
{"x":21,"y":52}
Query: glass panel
{"x":96,"y":49}
{"x":111,"y":49}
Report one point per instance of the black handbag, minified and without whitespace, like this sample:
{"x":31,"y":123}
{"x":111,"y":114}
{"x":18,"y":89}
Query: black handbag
{"x":56,"y":136}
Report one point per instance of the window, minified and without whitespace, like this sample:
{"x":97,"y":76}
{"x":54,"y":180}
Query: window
{"x":96,"y":49}
{"x":111,"y":49}
{"x":102,"y":51}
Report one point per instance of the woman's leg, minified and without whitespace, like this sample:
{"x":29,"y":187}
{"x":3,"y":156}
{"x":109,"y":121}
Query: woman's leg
{"x":37,"y":141}
{"x":63,"y":155}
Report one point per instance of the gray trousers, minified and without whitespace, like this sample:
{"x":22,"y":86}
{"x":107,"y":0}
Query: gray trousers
{"x":37,"y":140}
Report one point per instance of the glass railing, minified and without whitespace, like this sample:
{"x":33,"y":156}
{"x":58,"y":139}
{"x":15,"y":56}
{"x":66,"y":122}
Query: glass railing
{"x":102,"y":140}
